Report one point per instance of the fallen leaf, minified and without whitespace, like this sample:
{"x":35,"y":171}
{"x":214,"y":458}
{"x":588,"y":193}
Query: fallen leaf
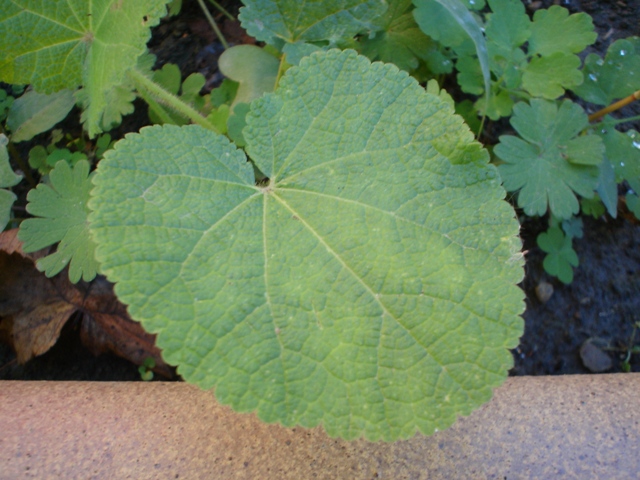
{"x":34,"y":308}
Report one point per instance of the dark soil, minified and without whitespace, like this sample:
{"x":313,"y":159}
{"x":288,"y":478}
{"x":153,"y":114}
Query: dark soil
{"x":602,"y":304}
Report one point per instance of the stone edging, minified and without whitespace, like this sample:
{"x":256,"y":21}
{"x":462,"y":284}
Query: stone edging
{"x":584,"y":427}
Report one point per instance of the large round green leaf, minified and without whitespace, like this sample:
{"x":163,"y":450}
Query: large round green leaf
{"x":369,"y":286}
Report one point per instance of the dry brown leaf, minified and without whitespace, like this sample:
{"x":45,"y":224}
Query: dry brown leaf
{"x":34,"y":308}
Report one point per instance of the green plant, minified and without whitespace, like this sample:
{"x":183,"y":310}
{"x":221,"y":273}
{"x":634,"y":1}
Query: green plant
{"x":356,"y":264}
{"x":559,"y":160}
{"x":146,"y":369}
{"x":313,"y":287}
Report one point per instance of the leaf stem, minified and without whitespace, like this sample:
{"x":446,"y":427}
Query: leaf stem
{"x":222,"y":10}
{"x":213,"y":24}
{"x":156,"y":106}
{"x":280,"y":69}
{"x":615,"y":106}
{"x":623,"y":120}
{"x":167,"y":98}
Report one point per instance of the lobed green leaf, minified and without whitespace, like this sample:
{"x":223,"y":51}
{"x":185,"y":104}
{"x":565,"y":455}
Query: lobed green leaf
{"x":62,"y":211}
{"x":508,"y":26}
{"x":617,"y":76}
{"x":555,"y":31}
{"x":547,"y":77}
{"x":293,"y":21}
{"x":397,"y":38}
{"x":367,"y":285}
{"x":539,"y":168}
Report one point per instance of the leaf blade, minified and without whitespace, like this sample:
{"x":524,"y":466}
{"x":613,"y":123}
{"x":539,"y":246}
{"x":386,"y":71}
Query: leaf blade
{"x":305,"y":299}
{"x":71,"y":43}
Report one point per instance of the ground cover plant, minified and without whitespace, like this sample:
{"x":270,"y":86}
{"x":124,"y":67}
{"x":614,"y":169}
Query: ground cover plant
{"x":328,"y":244}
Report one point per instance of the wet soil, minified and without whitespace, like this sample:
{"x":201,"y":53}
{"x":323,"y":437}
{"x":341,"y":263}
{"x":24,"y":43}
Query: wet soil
{"x":601,"y":305}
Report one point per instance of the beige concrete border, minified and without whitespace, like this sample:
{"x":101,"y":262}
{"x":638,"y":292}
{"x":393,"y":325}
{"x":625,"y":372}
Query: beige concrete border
{"x":535,"y":427}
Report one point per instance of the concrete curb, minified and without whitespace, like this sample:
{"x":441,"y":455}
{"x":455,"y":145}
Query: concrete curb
{"x":583,"y":427}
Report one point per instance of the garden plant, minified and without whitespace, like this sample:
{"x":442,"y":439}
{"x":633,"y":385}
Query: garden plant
{"x":320,"y":239}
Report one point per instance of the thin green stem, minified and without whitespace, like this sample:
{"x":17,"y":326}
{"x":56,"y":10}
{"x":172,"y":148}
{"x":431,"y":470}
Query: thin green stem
{"x":157,"y":108}
{"x":283,"y":60}
{"x":620,"y":120}
{"x":609,"y":122}
{"x":481,"y":128}
{"x":213,"y":24}
{"x":222,"y":10}
{"x":164,"y":97}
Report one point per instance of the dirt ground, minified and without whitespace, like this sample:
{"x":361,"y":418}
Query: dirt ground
{"x":600,"y":307}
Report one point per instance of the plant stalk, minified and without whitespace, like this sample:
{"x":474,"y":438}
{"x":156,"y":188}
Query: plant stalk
{"x":615,"y":106}
{"x":167,"y":98}
{"x":222,"y":10}
{"x":213,"y":24}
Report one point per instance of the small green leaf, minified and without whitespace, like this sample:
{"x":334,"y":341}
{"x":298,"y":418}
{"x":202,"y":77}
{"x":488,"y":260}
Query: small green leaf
{"x":190,"y":90}
{"x":34,"y":113}
{"x":500,"y":105}
{"x":547,"y":77}
{"x":555,"y":31}
{"x":38,"y":159}
{"x":536,"y":167}
{"x":584,"y":150}
{"x":470,"y":75}
{"x":368,"y":284}
{"x":62,"y":211}
{"x":456,"y":13}
{"x":330,"y":20}
{"x":220,"y":117}
{"x":507,"y":66}
{"x":573,"y":227}
{"x":168,"y":77}
{"x":561,"y":256}
{"x":623,"y":152}
{"x":254,"y":69}
{"x":174,"y":7}
{"x":508,"y":26}
{"x":593,"y":206}
{"x":64,"y":154}
{"x":224,"y":94}
{"x":617,"y":76}
{"x":436,"y":22}
{"x":399,"y":40}
{"x":69,"y":43}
